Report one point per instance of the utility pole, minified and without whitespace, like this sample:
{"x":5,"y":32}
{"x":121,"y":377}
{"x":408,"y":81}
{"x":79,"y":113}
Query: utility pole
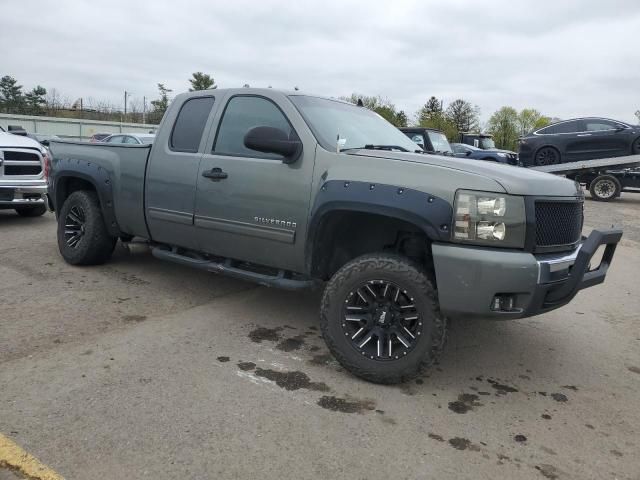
{"x":125,"y":105}
{"x":144,"y":110}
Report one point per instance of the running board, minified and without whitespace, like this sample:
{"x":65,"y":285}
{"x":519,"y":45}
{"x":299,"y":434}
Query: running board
{"x":226,"y":268}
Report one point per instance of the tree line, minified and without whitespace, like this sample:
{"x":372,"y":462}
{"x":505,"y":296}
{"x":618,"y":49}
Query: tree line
{"x":506,"y":124}
{"x":15,"y":99}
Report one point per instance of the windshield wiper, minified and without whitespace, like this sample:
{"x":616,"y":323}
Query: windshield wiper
{"x":377,"y":147}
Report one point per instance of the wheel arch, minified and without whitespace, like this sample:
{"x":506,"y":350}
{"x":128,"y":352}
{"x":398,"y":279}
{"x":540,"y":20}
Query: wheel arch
{"x":354,"y":218}
{"x":87,"y":176}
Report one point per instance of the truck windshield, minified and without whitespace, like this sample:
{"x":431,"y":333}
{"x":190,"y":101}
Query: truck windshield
{"x":439,"y":142}
{"x":356,"y":127}
{"x":487,"y":143}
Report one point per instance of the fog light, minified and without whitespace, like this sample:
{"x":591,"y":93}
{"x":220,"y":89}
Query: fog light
{"x":491,"y":231}
{"x":503,"y":303}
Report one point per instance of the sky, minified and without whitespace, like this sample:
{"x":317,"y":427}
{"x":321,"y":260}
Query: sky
{"x":566,"y":58}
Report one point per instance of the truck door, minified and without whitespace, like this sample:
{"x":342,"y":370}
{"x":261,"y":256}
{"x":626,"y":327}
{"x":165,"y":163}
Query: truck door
{"x":172,"y":173}
{"x":250,"y":205}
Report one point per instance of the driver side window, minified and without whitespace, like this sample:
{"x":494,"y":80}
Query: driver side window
{"x":241,"y":115}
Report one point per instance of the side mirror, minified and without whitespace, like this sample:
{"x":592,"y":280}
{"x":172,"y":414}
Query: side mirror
{"x":273,"y":140}
{"x":468,"y":153}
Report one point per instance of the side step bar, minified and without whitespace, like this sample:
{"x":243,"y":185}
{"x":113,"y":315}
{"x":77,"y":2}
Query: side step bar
{"x":226,"y":268}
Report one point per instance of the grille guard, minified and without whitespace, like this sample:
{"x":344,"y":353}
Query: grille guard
{"x":581,"y":276}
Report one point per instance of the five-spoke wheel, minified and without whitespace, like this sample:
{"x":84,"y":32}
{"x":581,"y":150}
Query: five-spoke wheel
{"x":547,"y":156}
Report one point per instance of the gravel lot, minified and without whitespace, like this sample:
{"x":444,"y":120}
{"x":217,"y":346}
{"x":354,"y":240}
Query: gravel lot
{"x":144,"y":369}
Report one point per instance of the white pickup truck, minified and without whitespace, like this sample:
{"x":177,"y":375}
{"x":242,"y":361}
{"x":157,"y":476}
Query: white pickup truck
{"x":23,"y":172}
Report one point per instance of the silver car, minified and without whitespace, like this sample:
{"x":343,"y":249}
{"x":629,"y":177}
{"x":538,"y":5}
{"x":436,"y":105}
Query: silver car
{"x":131,"y":138}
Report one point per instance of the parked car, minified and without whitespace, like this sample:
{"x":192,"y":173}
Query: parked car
{"x":479,"y":140}
{"x":130,"y":138}
{"x":43,"y":138}
{"x":579,"y":139}
{"x":23,"y":173}
{"x":291,"y":190}
{"x":496,"y":155}
{"x":431,"y":140}
{"x":99,"y":137}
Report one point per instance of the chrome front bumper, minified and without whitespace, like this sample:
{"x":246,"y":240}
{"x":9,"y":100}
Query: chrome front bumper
{"x":15,"y":194}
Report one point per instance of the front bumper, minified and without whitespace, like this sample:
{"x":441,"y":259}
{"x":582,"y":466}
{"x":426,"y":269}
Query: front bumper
{"x":17,"y":194}
{"x":470,"y":278}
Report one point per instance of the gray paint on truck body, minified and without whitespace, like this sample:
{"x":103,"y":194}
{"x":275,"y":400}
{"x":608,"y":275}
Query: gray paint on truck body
{"x":263,"y":211}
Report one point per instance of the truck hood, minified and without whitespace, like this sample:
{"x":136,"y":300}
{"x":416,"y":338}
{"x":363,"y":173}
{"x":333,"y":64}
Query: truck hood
{"x":514,"y":180}
{"x":8,"y":140}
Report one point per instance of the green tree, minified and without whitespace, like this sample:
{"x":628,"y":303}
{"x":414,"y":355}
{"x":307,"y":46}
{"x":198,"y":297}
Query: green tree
{"x":160,"y":105}
{"x":530,"y":119}
{"x":432,"y":115}
{"x":35,"y":100}
{"x":505,"y":128}
{"x":382,"y":106}
{"x":464,"y":115}
{"x":637,"y":114}
{"x":202,"y":81}
{"x":401,"y":119}
{"x":11,"y":97}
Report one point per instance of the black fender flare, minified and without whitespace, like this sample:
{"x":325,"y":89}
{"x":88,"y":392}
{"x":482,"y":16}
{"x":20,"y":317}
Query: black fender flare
{"x":93,"y":174}
{"x":432,"y":214}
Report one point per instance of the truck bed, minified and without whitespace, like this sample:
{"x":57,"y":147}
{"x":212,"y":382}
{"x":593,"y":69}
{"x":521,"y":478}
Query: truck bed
{"x":124,"y":168}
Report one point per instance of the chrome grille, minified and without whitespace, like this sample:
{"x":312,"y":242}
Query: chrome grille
{"x":21,"y":163}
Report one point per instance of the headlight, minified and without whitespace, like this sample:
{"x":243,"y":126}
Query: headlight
{"x":491,"y":219}
{"x":500,"y":154}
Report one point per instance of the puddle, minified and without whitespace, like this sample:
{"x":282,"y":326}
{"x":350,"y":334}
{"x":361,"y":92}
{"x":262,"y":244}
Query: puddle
{"x":291,"y":344}
{"x":344,"y":405}
{"x":261,"y":333}
{"x":291,"y":380}
{"x":465,"y":403}
{"x":460,"y":443}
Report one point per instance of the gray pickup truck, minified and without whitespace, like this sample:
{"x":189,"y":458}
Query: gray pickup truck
{"x":291,"y":190}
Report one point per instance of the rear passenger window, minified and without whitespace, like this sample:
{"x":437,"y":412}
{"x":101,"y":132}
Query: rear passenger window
{"x":567,"y":127}
{"x":597,"y":126}
{"x":241,"y":115}
{"x":187,"y":131}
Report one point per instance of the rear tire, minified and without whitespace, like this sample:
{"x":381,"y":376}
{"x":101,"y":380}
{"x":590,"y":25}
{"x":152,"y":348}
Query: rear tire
{"x":83,"y":238}
{"x":605,"y":188}
{"x":390,"y":294}
{"x":36,"y":211}
{"x":547,"y":156}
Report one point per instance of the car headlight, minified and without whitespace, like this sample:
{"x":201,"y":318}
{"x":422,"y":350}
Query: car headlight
{"x":500,"y":154}
{"x":492,"y":219}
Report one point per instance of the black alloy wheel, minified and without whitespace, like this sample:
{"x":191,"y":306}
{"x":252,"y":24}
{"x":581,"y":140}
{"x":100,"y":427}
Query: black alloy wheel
{"x":547,"y":156}
{"x":381,"y":320}
{"x":74,"y":226}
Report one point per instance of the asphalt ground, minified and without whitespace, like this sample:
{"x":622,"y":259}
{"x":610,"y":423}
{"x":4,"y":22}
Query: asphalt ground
{"x":145,"y":369}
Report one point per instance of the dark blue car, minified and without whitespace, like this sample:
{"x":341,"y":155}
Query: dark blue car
{"x":494,"y":155}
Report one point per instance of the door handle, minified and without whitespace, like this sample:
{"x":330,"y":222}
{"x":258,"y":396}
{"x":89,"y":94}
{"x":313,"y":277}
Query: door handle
{"x":215,"y":174}
{"x":584,"y":135}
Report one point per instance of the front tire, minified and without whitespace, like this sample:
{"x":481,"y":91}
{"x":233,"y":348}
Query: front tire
{"x":380,"y":318}
{"x":36,"y":211}
{"x":605,"y":188}
{"x":547,"y":156}
{"x":83,"y":238}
